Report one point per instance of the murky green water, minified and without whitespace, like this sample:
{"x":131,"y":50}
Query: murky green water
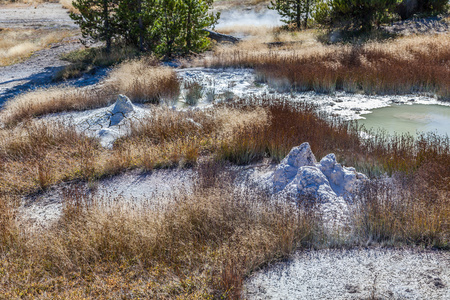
{"x":410,"y":119}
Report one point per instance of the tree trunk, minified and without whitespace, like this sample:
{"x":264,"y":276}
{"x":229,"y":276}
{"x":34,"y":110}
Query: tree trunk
{"x":298,"y":16}
{"x":107,"y":26}
{"x":189,"y":28}
{"x":141,"y":26}
{"x":307,"y":4}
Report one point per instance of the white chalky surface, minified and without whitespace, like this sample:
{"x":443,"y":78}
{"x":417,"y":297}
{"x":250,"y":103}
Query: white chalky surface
{"x":355,"y":274}
{"x":244,"y":83}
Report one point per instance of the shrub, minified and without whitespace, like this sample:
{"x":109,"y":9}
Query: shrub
{"x":355,"y":14}
{"x":194,"y":92}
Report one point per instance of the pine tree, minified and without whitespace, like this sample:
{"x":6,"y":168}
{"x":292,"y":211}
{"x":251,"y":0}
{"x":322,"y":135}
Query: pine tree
{"x":359,"y":14}
{"x":293,"y":12}
{"x":96,"y":19}
{"x":179,"y":26}
{"x":195,"y":18}
{"x":166,"y":27}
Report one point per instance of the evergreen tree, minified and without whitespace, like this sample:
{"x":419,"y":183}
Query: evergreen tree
{"x":293,"y":12}
{"x":195,"y":18}
{"x":167,"y":27}
{"x":179,"y":26}
{"x":96,"y":19}
{"x":355,"y":14}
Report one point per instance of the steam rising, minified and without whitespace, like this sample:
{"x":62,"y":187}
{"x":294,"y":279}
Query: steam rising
{"x":268,"y":18}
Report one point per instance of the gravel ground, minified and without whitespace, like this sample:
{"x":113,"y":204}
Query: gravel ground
{"x":150,"y":189}
{"x":42,"y":16}
{"x":36,"y":71}
{"x":432,"y":25}
{"x":355,"y":274}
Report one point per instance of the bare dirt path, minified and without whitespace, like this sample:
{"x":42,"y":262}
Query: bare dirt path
{"x":47,"y":15}
{"x":39,"y":69}
{"x":36,"y":71}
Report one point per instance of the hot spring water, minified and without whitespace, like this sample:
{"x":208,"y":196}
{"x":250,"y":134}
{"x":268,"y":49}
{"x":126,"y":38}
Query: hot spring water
{"x":411,"y":119}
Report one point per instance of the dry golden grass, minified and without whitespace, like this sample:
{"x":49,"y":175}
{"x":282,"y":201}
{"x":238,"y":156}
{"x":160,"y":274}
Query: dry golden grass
{"x":39,"y":154}
{"x":406,"y":65}
{"x":144,"y":81}
{"x":18,"y":44}
{"x":45,"y":101}
{"x":202,"y":245}
{"x":67,"y":4}
{"x":409,"y":209}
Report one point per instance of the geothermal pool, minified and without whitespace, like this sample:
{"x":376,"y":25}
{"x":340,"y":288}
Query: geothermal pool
{"x":395,"y":114}
{"x":411,"y":119}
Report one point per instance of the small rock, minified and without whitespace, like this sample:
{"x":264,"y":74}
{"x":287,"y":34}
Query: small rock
{"x":123,"y":105}
{"x":352,"y":289}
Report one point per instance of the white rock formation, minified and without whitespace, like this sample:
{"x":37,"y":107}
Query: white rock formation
{"x":300,"y":177}
{"x":122,"y":108}
{"x":288,"y":168}
{"x":299,"y":173}
{"x":107,"y":123}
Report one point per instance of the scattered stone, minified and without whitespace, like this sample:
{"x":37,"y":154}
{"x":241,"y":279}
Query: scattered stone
{"x":219,"y":37}
{"x":352,"y":289}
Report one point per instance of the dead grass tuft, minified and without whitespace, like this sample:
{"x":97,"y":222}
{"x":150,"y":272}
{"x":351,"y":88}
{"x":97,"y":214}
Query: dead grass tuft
{"x":39,"y":154}
{"x":145,"y":81}
{"x":202,"y":245}
{"x":399,"y":211}
{"x":45,"y":101}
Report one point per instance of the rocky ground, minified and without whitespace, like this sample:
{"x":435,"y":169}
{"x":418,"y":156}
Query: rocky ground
{"x":41,"y":16}
{"x":355,"y":274}
{"x":432,"y":25}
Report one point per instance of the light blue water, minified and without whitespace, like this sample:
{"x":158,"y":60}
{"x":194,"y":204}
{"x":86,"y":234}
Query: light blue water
{"x":410,"y":119}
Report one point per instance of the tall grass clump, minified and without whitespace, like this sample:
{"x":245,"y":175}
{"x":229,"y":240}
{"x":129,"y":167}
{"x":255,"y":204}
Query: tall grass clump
{"x":168,"y":138}
{"x":289,"y":124}
{"x":39,"y":154}
{"x":405,"y":210}
{"x":202,"y":245}
{"x":407,"y":65}
{"x":193,"y":92}
{"x":178,"y":138}
{"x":145,"y":81}
{"x":52,"y":100}
{"x":9,"y":231}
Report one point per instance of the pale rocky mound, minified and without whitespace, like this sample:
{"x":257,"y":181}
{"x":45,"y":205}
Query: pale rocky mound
{"x":327,"y":183}
{"x":107,"y":123}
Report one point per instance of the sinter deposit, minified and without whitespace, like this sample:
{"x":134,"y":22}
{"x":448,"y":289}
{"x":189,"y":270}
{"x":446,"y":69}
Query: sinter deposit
{"x":300,"y":177}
